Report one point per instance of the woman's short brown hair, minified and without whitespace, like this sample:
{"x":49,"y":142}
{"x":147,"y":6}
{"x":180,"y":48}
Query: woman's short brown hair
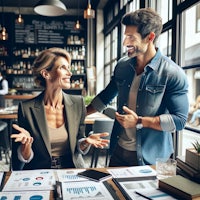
{"x":46,"y":60}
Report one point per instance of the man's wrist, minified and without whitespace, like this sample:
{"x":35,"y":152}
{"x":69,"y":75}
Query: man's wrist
{"x":139,"y":124}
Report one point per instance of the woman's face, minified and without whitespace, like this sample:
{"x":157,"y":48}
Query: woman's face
{"x":60,"y":74}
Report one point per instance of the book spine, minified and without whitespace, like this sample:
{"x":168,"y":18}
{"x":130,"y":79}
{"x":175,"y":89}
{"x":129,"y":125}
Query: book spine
{"x":173,"y":191}
{"x":187,"y":168}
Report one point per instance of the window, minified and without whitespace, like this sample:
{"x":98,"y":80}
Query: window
{"x":165,"y":43}
{"x":198,"y":18}
{"x":190,"y":61}
{"x":190,"y":58}
{"x":191,"y":38}
{"x":164,"y":8}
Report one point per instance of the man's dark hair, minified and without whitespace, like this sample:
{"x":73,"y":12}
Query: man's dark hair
{"x":146,"y":20}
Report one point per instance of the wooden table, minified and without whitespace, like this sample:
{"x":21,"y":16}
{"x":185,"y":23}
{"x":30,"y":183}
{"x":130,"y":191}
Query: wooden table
{"x":52,"y":197}
{"x":88,"y":120}
{"x":8,"y":116}
{"x":97,"y":115}
{"x":19,"y":97}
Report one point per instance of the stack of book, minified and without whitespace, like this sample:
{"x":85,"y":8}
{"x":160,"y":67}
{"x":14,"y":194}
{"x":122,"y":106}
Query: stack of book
{"x":180,"y":187}
{"x":186,"y":170}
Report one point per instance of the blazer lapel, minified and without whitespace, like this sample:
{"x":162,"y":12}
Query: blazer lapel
{"x":71,"y":122}
{"x":40,"y":118}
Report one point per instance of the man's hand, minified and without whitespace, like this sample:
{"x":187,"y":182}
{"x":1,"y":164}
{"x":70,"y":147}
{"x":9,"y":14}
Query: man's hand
{"x":127,"y":120}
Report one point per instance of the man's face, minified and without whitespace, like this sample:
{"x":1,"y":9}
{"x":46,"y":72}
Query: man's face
{"x":134,"y":42}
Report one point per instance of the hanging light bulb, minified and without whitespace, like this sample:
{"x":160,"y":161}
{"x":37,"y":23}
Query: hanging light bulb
{"x":89,"y":13}
{"x":77,"y":25}
{"x":3,"y":34}
{"x":19,"y":20}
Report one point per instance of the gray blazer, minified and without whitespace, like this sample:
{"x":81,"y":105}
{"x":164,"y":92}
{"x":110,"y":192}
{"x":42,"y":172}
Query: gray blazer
{"x":31,"y":116}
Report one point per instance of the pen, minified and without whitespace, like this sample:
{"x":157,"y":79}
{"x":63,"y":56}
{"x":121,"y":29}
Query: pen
{"x":142,"y":195}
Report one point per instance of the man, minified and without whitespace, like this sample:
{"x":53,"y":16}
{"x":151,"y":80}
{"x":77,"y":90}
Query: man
{"x":152,"y":95}
{"x":3,"y":89}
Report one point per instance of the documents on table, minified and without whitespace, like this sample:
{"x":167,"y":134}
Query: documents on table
{"x":138,"y":182}
{"x":39,"y":195}
{"x":29,"y":180}
{"x":140,"y":190}
{"x":87,"y":189}
{"x":134,"y":172}
{"x":69,"y":175}
{"x":134,"y":183}
{"x":65,"y":180}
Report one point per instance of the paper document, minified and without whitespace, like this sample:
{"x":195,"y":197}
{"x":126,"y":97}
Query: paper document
{"x":25,"y":180}
{"x":32,"y":195}
{"x":132,"y":172}
{"x":89,"y":190}
{"x":69,"y":175}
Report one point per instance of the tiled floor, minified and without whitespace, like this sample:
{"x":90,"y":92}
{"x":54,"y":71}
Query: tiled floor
{"x":3,"y":165}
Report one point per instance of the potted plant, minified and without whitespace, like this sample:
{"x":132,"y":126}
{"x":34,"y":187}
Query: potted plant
{"x":88,"y":99}
{"x":192,"y":157}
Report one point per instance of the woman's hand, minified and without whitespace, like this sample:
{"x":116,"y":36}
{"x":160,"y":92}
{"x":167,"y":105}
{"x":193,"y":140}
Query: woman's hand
{"x":23,"y":136}
{"x":26,"y":141}
{"x":97,"y":140}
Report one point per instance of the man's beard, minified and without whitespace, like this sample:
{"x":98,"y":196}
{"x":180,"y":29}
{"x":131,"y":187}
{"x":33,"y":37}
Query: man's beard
{"x":134,"y":53}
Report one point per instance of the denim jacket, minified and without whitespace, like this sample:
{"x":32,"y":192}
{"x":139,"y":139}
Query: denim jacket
{"x":163,"y":90}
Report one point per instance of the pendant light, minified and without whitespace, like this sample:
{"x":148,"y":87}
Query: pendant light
{"x":50,"y":8}
{"x":89,"y":13}
{"x":3,"y":33}
{"x":77,"y":25}
{"x":19,"y":20}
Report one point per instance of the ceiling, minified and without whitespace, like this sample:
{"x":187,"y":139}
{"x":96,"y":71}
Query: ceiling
{"x":26,"y":6}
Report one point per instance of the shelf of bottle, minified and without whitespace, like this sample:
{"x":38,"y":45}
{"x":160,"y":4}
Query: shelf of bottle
{"x":22,"y":92}
{"x":17,"y":58}
{"x":4,"y":57}
{"x":28,"y":89}
{"x":73,"y":75}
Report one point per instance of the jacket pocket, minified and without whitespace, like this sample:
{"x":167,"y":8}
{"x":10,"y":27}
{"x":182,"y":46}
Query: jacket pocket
{"x":154,"y":94}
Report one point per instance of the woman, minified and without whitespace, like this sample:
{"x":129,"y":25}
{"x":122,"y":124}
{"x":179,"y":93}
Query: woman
{"x":51,"y":125}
